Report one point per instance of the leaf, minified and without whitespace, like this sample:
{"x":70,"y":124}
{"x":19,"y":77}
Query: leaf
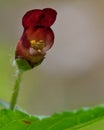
{"x":71,"y":120}
{"x":17,"y":120}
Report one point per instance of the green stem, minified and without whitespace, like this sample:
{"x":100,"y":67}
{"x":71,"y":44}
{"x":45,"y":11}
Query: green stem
{"x":16,"y":90}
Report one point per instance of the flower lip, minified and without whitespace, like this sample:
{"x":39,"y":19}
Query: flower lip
{"x":45,"y":17}
{"x":39,"y":34}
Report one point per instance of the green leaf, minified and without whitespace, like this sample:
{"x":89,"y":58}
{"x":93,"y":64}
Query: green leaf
{"x":71,"y":120}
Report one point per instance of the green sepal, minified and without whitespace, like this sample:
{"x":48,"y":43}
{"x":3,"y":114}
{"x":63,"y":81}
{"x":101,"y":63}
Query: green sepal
{"x":22,"y":64}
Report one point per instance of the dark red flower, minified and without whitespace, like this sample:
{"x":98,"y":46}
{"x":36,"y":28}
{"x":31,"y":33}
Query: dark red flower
{"x":37,"y":37}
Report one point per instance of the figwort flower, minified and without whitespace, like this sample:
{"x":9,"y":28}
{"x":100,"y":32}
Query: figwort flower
{"x":37,"y":37}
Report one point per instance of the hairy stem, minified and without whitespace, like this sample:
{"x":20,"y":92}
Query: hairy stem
{"x":16,"y":90}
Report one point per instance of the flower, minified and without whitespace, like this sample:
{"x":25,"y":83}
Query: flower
{"x":37,"y":37}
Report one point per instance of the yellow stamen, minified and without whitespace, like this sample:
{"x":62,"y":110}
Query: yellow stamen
{"x":38,"y":45}
{"x":41,"y":41}
{"x":39,"y":50}
{"x":33,"y":43}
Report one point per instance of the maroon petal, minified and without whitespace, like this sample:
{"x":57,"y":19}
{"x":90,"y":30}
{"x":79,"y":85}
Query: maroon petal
{"x":40,"y":33}
{"x":23,"y":46}
{"x":31,"y":18}
{"x":49,"y":18}
{"x":45,"y":17}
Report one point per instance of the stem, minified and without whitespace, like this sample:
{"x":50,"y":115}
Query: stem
{"x":16,"y":90}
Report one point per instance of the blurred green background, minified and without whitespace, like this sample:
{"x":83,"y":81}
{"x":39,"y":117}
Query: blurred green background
{"x":72,"y":75}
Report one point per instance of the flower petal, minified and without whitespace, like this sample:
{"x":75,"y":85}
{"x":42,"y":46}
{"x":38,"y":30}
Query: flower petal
{"x":45,"y":17}
{"x":49,"y":18}
{"x":31,"y":18}
{"x":41,"y":33}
